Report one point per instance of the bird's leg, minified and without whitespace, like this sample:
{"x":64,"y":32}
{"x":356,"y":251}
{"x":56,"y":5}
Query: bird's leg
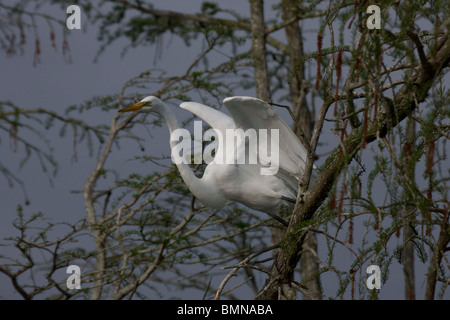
{"x":279,"y":219}
{"x":288,"y":199}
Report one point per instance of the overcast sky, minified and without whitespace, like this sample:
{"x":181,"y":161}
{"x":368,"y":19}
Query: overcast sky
{"x":55,"y":84}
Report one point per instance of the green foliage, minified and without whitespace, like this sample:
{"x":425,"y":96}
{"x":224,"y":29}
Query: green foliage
{"x":146,"y":220}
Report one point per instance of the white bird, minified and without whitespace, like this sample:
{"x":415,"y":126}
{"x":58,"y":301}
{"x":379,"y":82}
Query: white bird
{"x":223,"y":183}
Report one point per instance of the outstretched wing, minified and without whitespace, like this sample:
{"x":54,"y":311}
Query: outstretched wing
{"x":215,"y":118}
{"x":249,"y":112}
{"x":219,"y":121}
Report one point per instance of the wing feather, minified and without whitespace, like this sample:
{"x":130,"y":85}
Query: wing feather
{"x":249,"y":112}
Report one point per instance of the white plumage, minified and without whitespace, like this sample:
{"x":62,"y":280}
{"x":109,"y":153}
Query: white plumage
{"x":243,"y":183}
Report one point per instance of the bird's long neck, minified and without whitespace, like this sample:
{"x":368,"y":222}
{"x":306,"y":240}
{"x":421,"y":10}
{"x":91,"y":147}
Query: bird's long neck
{"x":197,"y":186}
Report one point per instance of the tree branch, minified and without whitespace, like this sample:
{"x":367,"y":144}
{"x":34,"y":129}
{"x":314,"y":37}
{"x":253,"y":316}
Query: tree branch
{"x":414,"y":91}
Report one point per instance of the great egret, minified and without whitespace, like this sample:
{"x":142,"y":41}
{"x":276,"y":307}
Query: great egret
{"x":222,"y":183}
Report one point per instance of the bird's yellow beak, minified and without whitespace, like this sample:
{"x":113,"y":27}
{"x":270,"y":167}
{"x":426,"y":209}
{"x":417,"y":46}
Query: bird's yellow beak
{"x":133,"y":107}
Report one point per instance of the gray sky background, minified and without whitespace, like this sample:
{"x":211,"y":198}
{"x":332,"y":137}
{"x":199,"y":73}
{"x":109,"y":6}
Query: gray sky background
{"x":55,"y":84}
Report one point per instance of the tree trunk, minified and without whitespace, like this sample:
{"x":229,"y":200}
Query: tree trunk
{"x":262,"y":82}
{"x":395,"y":110}
{"x":305,"y":123}
{"x":441,"y":245}
{"x":408,"y":230}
